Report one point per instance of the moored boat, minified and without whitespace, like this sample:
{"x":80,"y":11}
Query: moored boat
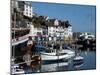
{"x":53,"y":54}
{"x":16,"y":70}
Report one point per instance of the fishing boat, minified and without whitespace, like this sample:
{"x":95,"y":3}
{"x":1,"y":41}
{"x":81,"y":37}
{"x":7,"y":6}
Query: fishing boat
{"x":53,"y":54}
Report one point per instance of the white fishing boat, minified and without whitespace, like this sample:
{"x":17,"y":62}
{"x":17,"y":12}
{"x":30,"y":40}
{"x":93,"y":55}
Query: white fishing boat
{"x":53,"y":54}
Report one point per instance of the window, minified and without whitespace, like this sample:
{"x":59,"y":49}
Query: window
{"x":30,"y":10}
{"x":26,"y":9}
{"x":30,"y":13}
{"x":26,"y":13}
{"x":26,"y":6}
{"x":29,"y":7}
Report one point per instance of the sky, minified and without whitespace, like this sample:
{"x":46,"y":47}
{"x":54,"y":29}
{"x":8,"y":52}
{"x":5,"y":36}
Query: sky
{"x":81,"y":17}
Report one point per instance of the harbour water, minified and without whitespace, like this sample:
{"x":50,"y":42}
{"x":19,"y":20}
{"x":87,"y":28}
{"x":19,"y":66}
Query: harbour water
{"x":89,"y":62}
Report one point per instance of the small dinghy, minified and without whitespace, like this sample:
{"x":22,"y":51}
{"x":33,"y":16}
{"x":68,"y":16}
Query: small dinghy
{"x":16,"y":70}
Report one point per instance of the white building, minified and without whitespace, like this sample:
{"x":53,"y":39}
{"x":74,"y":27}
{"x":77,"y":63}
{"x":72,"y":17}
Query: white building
{"x":56,"y":22}
{"x":35,"y":31}
{"x":14,"y":4}
{"x":51,"y":31}
{"x":68,"y":31}
{"x":28,"y":9}
{"x":25,"y":8}
{"x":59,"y":32}
{"x":87,"y":35}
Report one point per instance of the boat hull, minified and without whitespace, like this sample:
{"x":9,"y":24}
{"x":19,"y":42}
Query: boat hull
{"x":65,"y":54}
{"x":54,"y":57}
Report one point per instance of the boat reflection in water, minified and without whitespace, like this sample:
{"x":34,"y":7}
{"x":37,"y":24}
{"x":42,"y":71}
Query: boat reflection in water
{"x":78,"y":62}
{"x":85,"y":60}
{"x":78,"y":65}
{"x":54,"y":66}
{"x":39,"y":67}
